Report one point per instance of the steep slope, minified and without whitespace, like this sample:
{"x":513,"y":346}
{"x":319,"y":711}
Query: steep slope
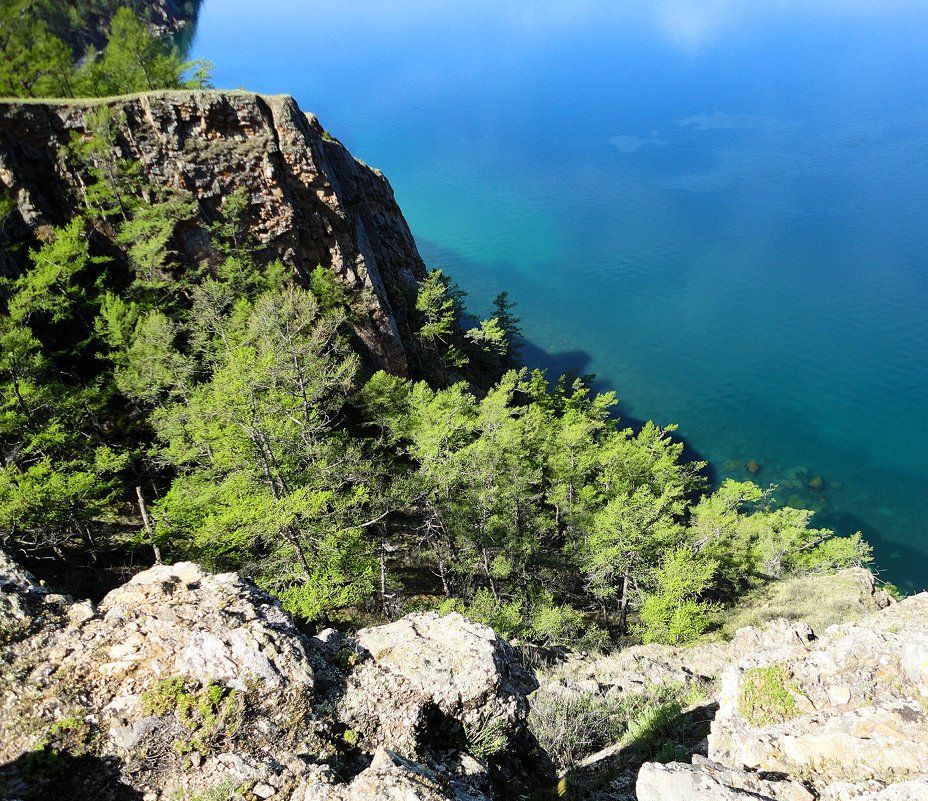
{"x":311,"y":202}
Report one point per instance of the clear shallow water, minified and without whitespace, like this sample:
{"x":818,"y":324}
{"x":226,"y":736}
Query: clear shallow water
{"x":718,"y":207}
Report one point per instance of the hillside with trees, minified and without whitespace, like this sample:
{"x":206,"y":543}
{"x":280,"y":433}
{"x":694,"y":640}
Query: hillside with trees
{"x":226,"y":409}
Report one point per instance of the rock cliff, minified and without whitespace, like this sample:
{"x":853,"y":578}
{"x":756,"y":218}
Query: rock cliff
{"x":310,"y":202}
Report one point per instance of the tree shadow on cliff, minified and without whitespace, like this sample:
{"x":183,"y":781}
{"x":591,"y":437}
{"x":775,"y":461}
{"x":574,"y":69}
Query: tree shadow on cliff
{"x":52,"y":775}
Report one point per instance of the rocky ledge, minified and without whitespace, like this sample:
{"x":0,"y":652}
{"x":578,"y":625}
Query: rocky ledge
{"x":182,"y":684}
{"x":835,"y":718}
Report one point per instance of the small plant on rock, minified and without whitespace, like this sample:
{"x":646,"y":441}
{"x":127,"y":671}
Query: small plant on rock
{"x":208,"y":714}
{"x":765,"y":697}
{"x":486,"y":736}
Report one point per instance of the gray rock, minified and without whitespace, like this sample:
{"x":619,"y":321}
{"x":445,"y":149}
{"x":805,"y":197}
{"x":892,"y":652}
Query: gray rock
{"x":430,"y":678}
{"x":389,"y":778}
{"x":850,"y":709}
{"x":712,"y":782}
{"x":177,"y":620}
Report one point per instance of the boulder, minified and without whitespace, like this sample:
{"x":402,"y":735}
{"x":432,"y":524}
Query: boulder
{"x":708,"y":781}
{"x":428,"y":682}
{"x":181,"y":621}
{"x":389,"y":778}
{"x":181,"y":682}
{"x":23,"y":602}
{"x":172,"y":670}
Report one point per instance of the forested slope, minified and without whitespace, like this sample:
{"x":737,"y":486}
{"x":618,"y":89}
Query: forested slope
{"x":201,"y":290}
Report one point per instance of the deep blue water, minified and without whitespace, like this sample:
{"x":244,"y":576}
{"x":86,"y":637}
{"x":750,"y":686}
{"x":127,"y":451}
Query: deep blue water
{"x":718,"y":207}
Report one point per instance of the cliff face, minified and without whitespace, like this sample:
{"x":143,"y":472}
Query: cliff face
{"x":311,"y":202}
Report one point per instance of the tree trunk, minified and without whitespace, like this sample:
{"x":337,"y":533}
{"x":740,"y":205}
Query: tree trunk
{"x":148,"y":526}
{"x":623,"y":607}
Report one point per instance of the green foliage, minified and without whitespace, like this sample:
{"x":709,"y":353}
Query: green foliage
{"x":211,"y":713}
{"x":485,"y":736}
{"x":50,"y":49}
{"x":133,"y":61}
{"x":148,"y":231}
{"x":673,"y":614}
{"x":509,"y":325}
{"x":533,"y":616}
{"x":437,"y":308}
{"x":329,"y":292}
{"x":164,"y":697}
{"x":764,"y":696}
{"x":260,"y":467}
{"x":35,"y":61}
{"x":232,"y":391}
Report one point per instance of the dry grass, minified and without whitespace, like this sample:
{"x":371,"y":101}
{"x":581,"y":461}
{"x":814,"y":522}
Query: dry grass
{"x":819,"y":600}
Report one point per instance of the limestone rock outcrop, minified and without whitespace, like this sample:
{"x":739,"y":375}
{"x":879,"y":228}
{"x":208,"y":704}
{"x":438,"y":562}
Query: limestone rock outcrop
{"x":845,"y":715}
{"x":852,"y":705}
{"x":180,"y":682}
{"x":437,"y":681}
{"x":310,"y":202}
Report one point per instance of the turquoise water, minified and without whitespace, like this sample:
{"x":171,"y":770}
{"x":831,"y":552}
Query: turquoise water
{"x":718,"y":207}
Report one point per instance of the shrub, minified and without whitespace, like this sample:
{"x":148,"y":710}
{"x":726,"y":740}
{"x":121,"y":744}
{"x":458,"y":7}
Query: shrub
{"x":570,"y":724}
{"x":486,"y":736}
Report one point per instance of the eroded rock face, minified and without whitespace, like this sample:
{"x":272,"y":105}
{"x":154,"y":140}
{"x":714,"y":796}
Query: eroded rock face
{"x":851,"y":708}
{"x":310,"y":201}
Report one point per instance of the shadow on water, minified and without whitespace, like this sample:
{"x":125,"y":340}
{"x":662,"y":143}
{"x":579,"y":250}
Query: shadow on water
{"x":53,"y":775}
{"x":570,"y":362}
{"x":575,"y":363}
{"x":908,"y":566}
{"x":183,"y":38}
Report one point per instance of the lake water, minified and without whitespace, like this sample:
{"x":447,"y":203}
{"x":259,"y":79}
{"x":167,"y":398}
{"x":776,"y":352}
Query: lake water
{"x":718,"y":207}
